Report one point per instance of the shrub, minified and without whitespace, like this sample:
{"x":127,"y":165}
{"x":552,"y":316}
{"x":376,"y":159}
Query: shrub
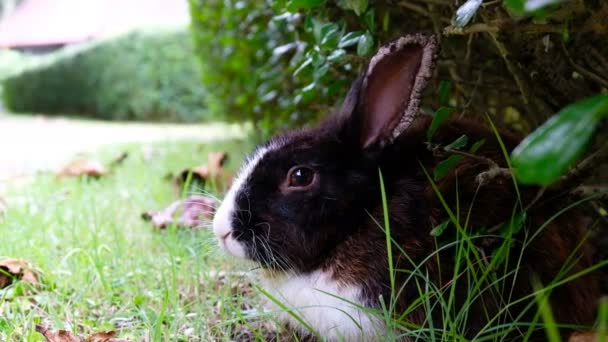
{"x":139,"y":76}
{"x":285,"y":62}
{"x":256,"y":61}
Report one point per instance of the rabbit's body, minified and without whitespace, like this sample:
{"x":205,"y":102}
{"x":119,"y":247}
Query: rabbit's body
{"x":307,"y":206}
{"x":327,"y":304}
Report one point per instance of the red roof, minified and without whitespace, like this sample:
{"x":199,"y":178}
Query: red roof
{"x":48,"y":22}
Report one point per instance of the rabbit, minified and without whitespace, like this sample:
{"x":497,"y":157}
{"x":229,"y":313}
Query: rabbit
{"x":307,"y":206}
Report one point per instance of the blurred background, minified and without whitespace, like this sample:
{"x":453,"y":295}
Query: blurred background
{"x":62,"y":61}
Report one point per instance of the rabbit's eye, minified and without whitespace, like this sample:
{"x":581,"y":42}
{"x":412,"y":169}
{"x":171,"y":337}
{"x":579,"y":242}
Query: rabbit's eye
{"x":300,"y":177}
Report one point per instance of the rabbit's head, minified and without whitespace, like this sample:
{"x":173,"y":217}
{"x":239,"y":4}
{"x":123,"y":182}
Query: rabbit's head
{"x":303,"y":192}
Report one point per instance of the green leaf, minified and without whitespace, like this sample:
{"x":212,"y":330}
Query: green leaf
{"x":317,"y":58}
{"x":358,"y":6}
{"x":514,"y":226}
{"x":445,"y":88}
{"x":366,"y":44}
{"x":507,"y":230}
{"x":320,"y":71}
{"x":440,"y":116}
{"x":438,"y":230}
{"x":548,"y":152}
{"x":477,"y":146}
{"x":336,"y":55}
{"x":350,"y":39}
{"x":317,"y":27}
{"x":465,"y":12}
{"x":329,"y":34}
{"x":370,"y":20}
{"x":295,"y":5}
{"x":533,"y":7}
{"x":443,"y":167}
{"x":517,"y":6}
{"x":303,"y":66}
{"x":458,"y":143}
{"x":386,"y":21}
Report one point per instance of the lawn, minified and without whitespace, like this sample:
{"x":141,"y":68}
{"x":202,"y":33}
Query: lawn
{"x":104,"y":268}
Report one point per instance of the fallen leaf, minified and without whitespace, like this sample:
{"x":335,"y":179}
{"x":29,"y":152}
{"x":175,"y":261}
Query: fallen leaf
{"x":66,"y":336}
{"x":198,"y":176}
{"x":216,"y":161}
{"x":584,"y":336}
{"x":57,"y":336}
{"x":188,"y":213}
{"x":83,"y":168}
{"x":107,"y":336}
{"x":16,"y":269}
{"x":90,"y":168}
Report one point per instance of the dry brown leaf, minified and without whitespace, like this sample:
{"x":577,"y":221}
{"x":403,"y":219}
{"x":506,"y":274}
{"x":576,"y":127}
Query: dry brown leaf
{"x":11,"y":269}
{"x":66,"y":336}
{"x":198,"y":176}
{"x":107,"y":336}
{"x":57,"y":336}
{"x":90,"y":168}
{"x":216,"y":161}
{"x":585,"y":336}
{"x":80,"y":168}
{"x":188,"y":213}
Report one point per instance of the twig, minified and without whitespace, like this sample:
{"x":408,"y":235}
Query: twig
{"x":492,"y":173}
{"x":600,"y":59}
{"x":475,"y":28}
{"x":437,"y":2}
{"x":539,"y":195}
{"x":415,"y":8}
{"x":513,"y":69}
{"x":496,"y":26}
{"x":420,"y":10}
{"x":583,"y":170}
{"x":590,"y":190}
{"x":586,"y":73}
{"x":435,"y":20}
{"x":491,"y":3}
{"x":483,"y":178}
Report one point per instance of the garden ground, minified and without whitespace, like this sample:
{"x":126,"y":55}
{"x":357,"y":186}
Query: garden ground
{"x":103,"y":268}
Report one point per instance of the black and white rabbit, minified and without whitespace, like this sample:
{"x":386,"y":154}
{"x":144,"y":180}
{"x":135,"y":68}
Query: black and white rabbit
{"x":307,"y":206}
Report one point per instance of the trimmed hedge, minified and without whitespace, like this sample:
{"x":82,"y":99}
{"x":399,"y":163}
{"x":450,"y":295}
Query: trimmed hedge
{"x":139,"y":76}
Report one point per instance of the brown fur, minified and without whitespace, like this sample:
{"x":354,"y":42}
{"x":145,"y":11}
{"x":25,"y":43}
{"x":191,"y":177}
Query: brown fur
{"x":364,"y":255}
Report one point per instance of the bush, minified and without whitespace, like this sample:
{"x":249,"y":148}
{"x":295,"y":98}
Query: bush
{"x":139,"y":76}
{"x":254,"y":59}
{"x":12,"y":62}
{"x":286,"y":62}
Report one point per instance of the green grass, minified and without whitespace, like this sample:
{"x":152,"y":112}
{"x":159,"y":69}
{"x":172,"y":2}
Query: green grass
{"x":106,"y":269}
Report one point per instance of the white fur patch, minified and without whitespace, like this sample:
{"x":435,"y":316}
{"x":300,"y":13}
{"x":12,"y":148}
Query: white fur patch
{"x":222,"y":221}
{"x":334,"y":318}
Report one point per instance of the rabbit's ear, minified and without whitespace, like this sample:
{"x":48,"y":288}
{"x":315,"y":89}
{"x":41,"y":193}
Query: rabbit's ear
{"x":384,"y":101}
